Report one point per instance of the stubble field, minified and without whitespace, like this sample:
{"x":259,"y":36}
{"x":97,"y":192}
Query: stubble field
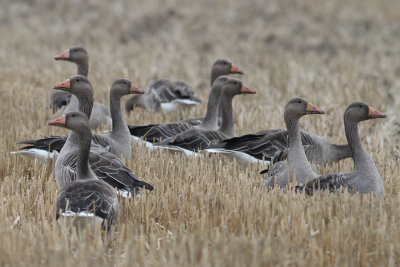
{"x":206,"y":211}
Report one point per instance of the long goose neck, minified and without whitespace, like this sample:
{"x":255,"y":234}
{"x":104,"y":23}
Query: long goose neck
{"x":211,"y":118}
{"x":292,"y":125}
{"x":214,"y":75}
{"x":116,"y":113}
{"x":84,"y":139}
{"x":353,"y":138}
{"x":227,"y":125}
{"x":83,"y":67}
{"x":86,"y":105}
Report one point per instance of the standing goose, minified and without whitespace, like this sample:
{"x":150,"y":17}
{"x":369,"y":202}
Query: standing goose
{"x":158,"y":132}
{"x":297,"y":166}
{"x":117,"y":142}
{"x":87,"y":194}
{"x":271,"y":145}
{"x":100,"y":114}
{"x":201,"y":137}
{"x":104,"y":164}
{"x":365,"y":178}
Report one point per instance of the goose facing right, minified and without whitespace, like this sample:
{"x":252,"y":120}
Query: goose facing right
{"x":201,"y":137}
{"x":158,"y":132}
{"x":167,"y":95}
{"x":87,"y":196}
{"x":297,"y":166}
{"x":365,"y":178}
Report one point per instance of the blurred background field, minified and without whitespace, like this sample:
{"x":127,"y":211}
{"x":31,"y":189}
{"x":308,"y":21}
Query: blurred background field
{"x":206,"y":211}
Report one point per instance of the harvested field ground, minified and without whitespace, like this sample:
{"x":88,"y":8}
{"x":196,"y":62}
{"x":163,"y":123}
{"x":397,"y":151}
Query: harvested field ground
{"x":206,"y":211}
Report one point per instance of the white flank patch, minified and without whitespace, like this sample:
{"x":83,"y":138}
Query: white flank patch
{"x":240,"y":157}
{"x":177,"y":104}
{"x":139,"y":140}
{"x":79,"y":214}
{"x":188,"y":153}
{"x":37,"y":154}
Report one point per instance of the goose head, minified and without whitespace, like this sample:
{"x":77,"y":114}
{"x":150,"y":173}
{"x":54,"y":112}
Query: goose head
{"x":224,"y":66}
{"x":360,"y":111}
{"x":73,"y":121}
{"x":78,"y":85}
{"x":75,"y":54}
{"x":235,"y":87}
{"x":298,"y":107}
{"x":123,"y":87}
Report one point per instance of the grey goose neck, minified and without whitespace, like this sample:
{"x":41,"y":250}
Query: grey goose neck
{"x":118,"y":123}
{"x":360,"y":157}
{"x":84,"y":140}
{"x":227,"y":125}
{"x":211,"y":119}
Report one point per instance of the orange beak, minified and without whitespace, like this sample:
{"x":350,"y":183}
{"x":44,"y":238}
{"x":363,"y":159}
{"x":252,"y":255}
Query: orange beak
{"x":312,"y":109}
{"x":246,"y":90}
{"x":60,"y":121}
{"x":237,"y":70}
{"x":136,"y":90}
{"x":64,"y":85}
{"x":64,"y":55}
{"x":374,"y":113}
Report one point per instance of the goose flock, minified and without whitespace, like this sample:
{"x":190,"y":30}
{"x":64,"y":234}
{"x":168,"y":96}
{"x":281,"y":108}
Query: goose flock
{"x":89,"y":171}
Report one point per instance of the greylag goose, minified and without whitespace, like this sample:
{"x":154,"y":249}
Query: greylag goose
{"x":365,"y":178}
{"x":271,"y":145}
{"x":87,"y":196}
{"x":117,"y":142}
{"x":104,"y":164}
{"x":168,"y":96}
{"x":201,"y":137}
{"x":100,"y":114}
{"x":158,"y":132}
{"x":297,"y":166}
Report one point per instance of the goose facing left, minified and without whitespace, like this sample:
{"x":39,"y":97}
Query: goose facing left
{"x":117,"y":142}
{"x":104,"y":164}
{"x":88,"y":198}
{"x":100,"y":114}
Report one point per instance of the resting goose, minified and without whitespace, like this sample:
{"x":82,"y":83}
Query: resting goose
{"x":201,"y":137}
{"x":271,"y":145}
{"x":158,"y":132}
{"x":297,"y":166}
{"x":87,"y":197}
{"x":117,"y":142}
{"x":169,"y":96}
{"x":166,"y":96}
{"x":365,"y":178}
{"x":104,"y":164}
{"x":100,"y":114}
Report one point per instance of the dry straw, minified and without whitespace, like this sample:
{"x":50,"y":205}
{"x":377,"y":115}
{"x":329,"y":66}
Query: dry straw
{"x":206,"y":211}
